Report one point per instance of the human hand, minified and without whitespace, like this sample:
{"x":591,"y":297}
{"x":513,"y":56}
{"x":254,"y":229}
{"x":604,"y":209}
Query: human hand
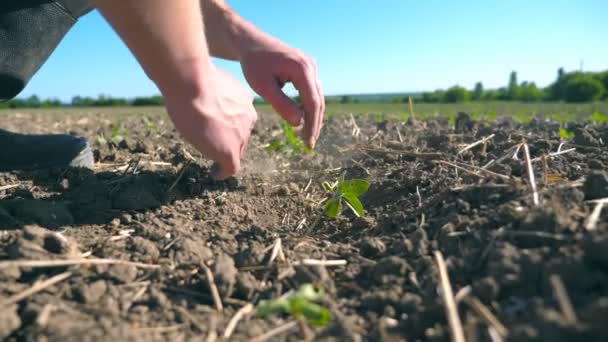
{"x":267,"y":65}
{"x":217,"y":120}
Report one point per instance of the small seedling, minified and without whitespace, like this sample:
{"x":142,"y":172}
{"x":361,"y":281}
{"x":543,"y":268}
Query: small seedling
{"x":347,"y":191}
{"x":288,"y":143}
{"x":599,"y":118}
{"x":300,"y":305}
{"x":565,"y":134}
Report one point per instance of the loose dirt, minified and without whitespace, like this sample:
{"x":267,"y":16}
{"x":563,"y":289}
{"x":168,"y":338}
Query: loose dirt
{"x":150,"y":210}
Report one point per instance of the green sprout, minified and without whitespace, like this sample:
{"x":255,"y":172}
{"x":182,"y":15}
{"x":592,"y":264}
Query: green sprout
{"x":300,"y":305}
{"x":289,"y":143}
{"x":565,"y":134}
{"x":599,"y":118}
{"x":347,"y":191}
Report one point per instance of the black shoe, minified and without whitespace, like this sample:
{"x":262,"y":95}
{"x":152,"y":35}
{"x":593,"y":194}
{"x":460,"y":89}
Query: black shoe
{"x":28,"y":151}
{"x":30,"y":30}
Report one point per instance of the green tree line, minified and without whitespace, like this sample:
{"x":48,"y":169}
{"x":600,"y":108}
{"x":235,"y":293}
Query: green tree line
{"x":569,"y":87}
{"x":80,"y":101}
{"x":573,"y":86}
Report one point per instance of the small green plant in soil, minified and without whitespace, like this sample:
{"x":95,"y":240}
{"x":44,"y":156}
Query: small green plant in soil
{"x":564,"y":134}
{"x":300,"y":305}
{"x":288,"y":143}
{"x":117,"y":134}
{"x":347,"y":192}
{"x":598,"y":118}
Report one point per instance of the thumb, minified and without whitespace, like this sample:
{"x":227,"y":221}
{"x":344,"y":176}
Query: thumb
{"x":286,"y":107}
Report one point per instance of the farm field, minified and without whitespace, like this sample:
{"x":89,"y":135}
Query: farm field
{"x":147,"y":247}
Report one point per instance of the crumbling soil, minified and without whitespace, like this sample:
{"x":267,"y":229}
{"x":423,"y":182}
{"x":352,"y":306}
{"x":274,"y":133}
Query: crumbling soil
{"x":166,"y":217}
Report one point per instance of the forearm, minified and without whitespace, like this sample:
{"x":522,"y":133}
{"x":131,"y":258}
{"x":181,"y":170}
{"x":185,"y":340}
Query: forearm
{"x":166,"y":37}
{"x":228,"y":34}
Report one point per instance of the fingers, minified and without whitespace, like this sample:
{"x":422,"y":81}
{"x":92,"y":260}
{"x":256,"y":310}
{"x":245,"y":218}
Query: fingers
{"x":289,"y":110}
{"x":322,"y":113}
{"x":228,"y":163}
{"x":310,"y":94}
{"x":227,"y":166}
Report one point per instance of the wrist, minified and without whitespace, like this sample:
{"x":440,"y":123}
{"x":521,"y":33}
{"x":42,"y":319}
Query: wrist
{"x":185,"y":79}
{"x":242,"y":35}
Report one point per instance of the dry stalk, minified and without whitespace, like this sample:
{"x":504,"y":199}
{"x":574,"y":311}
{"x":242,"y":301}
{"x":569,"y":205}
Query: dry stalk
{"x":545,"y":169}
{"x":485,"y":314}
{"x":356,"y":130}
{"x":276,"y":331}
{"x":535,"y":197}
{"x":10,"y":186}
{"x":399,"y":134}
{"x":594,"y":218}
{"x":199,"y":325}
{"x":212,"y":331}
{"x":480,"y":169}
{"x":456,"y":329}
{"x":561,"y":295}
{"x":159,"y":330}
{"x":419,"y":197}
{"x":315,"y":262}
{"x":277,"y":250}
{"x":418,"y":155}
{"x":411,"y":107}
{"x":37,"y":287}
{"x":71,"y":262}
{"x":553,"y":154}
{"x":238,"y":316}
{"x":483,"y":140}
{"x":215,"y":293}
{"x":179,"y":177}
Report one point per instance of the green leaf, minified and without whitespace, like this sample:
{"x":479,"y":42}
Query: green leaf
{"x":309,"y":292}
{"x":273,"y":307}
{"x":565,"y":134}
{"x":314,"y":314}
{"x":355,"y":186}
{"x":354,"y":204}
{"x":332,"y":207}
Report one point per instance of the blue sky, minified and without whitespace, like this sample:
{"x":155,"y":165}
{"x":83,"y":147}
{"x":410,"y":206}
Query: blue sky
{"x":365,"y":46}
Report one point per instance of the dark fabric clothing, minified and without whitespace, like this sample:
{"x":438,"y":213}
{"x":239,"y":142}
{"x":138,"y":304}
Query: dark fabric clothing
{"x":30,"y":30}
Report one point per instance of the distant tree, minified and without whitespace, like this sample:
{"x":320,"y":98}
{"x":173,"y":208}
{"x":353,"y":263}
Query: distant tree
{"x":582,"y":88}
{"x":529,"y":92}
{"x":512,"y":88}
{"x":478,"y":91}
{"x":32,"y":102}
{"x":150,"y":101}
{"x":345,"y":99}
{"x":456,"y":94}
{"x":560,"y":73}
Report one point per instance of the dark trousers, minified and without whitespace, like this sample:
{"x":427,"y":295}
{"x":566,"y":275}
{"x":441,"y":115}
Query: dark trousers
{"x":30,"y":30}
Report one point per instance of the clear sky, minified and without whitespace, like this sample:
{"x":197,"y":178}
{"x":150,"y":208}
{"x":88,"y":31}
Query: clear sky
{"x":365,"y":46}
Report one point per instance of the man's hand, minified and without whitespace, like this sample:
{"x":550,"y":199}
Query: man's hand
{"x":268,"y":66}
{"x":217,"y":122}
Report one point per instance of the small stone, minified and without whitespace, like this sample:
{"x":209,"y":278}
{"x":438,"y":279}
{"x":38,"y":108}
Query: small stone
{"x":126,"y":218}
{"x":91,"y":293}
{"x":146,"y":248}
{"x":64,"y":184}
{"x":584,"y":138}
{"x":225,"y":274}
{"x":9,"y":320}
{"x":233,"y":182}
{"x":486,"y":289}
{"x":596,"y":185}
{"x":122,"y":273}
{"x":115,"y":222}
{"x":371,"y":247}
{"x":596,"y":250}
{"x":363,"y":223}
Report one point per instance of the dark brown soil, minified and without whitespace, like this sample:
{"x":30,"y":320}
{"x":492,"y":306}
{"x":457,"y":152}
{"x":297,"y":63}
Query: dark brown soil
{"x":164,"y":210}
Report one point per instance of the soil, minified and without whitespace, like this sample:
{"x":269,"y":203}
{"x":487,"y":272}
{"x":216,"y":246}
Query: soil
{"x":164,"y":210}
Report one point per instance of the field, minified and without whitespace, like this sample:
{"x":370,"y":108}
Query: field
{"x":148,"y":247}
